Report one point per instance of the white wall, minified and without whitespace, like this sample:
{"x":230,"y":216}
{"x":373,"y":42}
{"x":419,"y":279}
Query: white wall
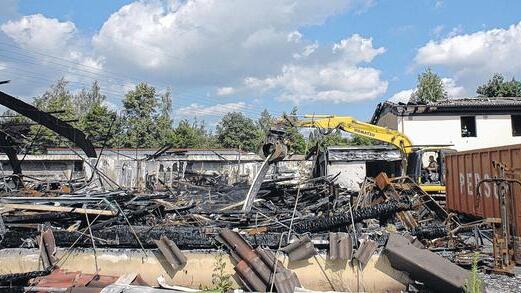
{"x":352,"y":174}
{"x":492,"y":130}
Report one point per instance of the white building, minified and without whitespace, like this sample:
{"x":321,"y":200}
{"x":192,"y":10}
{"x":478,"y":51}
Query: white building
{"x":463,"y":124}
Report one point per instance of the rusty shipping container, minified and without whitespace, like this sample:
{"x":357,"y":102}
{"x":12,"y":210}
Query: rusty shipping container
{"x":465,"y":169}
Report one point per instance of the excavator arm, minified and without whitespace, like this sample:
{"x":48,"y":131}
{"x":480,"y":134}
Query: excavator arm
{"x":276,"y":148}
{"x":348,"y":124}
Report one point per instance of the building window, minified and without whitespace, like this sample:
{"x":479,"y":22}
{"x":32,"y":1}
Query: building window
{"x":516,"y":125}
{"x":468,"y":126}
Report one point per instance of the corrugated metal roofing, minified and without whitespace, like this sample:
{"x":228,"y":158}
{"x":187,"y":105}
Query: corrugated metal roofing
{"x":340,"y":246}
{"x":301,"y":249}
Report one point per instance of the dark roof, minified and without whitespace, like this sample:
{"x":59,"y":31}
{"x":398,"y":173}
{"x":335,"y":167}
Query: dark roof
{"x":470,"y":106}
{"x":480,"y":102}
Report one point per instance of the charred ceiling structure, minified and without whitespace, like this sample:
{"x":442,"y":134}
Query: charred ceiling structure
{"x":8,"y":144}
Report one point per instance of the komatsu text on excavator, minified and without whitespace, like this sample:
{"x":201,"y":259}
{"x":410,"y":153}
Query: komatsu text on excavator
{"x":424,"y":164}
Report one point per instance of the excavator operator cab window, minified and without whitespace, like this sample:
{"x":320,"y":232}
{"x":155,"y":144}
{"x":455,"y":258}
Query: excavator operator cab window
{"x":431,"y":167}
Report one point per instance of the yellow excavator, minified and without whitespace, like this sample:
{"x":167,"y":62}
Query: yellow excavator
{"x":412,"y":156}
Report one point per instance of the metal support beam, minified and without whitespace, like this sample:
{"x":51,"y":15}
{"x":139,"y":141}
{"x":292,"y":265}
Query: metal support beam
{"x":57,"y":125}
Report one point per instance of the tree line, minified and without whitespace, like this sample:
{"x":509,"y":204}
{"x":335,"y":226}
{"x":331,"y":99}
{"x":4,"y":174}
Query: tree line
{"x":145,"y":121}
{"x":430,"y":88}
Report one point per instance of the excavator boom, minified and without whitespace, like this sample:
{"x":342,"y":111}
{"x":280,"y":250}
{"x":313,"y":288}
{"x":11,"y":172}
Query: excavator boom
{"x":348,"y":124}
{"x":275,"y":142}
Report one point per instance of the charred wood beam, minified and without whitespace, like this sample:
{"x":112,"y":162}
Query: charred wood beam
{"x":57,"y":125}
{"x":430,"y":232}
{"x":7,"y":146}
{"x":14,"y":238}
{"x":327,"y":223}
{"x":38,"y":218}
{"x":121,"y":236}
{"x":131,"y":216}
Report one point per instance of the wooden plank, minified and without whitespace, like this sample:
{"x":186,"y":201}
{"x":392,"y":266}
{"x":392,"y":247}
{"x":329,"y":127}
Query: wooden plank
{"x":126,"y":279}
{"x":49,"y":208}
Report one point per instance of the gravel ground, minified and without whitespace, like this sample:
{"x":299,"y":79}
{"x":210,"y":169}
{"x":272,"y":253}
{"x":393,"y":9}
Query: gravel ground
{"x":494,"y":283}
{"x":500,"y":283}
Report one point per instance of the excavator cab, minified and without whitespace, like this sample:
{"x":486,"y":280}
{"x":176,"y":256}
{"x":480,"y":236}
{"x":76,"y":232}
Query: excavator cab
{"x":426,"y":166}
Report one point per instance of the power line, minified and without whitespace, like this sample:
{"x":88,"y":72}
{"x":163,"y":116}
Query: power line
{"x":178,"y":94}
{"x":247,"y":110}
{"x":103,"y":72}
{"x":253,"y":111}
{"x":217,"y":113}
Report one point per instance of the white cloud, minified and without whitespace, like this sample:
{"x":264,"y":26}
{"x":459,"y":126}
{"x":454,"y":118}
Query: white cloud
{"x":335,"y":76}
{"x":211,"y":42}
{"x":294,"y":37}
{"x":39,"y":32}
{"x":225,"y":91}
{"x":53,"y":37}
{"x":363,"y":5}
{"x":402,"y":96}
{"x":3,"y":66}
{"x":195,"y":44}
{"x":357,"y":49}
{"x":307,"y":51}
{"x":453,"y":91}
{"x":214,"y":110}
{"x":474,"y":57}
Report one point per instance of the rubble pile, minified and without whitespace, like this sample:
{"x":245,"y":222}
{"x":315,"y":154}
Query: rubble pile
{"x":188,"y":213}
{"x":193,"y":214}
{"x":270,"y":227}
{"x":289,"y":215}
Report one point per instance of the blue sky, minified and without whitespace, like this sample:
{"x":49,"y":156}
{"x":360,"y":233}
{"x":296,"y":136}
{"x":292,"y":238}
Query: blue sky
{"x":340,"y":57}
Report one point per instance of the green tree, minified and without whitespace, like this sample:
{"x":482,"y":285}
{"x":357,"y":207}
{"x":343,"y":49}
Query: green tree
{"x":237,"y":131}
{"x":166,"y":103}
{"x":58,"y":100}
{"x":87,"y":98}
{"x":101,"y":125}
{"x":498,"y":87}
{"x":16,"y":126}
{"x":361,"y":140}
{"x":140,"y":117}
{"x":191,"y":135}
{"x":97,"y":123}
{"x":265,"y":121}
{"x":296,"y":141}
{"x":328,"y":139}
{"x":165,"y":131}
{"x":429,"y":89}
{"x":264,"y":124}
